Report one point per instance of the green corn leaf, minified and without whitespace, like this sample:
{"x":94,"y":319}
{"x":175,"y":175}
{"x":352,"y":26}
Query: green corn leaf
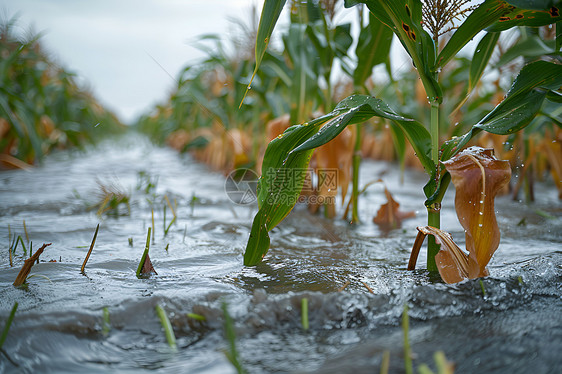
{"x":373,"y":48}
{"x":399,"y":142}
{"x":480,"y":60}
{"x":481,"y":57}
{"x":358,"y":108}
{"x":277,"y":159}
{"x":404,"y":19}
{"x":554,"y":96}
{"x":533,"y":4}
{"x":269,"y":16}
{"x":499,"y":15}
{"x":279,"y":187}
{"x":521,"y":104}
{"x":558,"y":36}
{"x":258,"y":243}
{"x":485,"y":15}
{"x":286,"y":159}
{"x":532,"y":13}
{"x":529,"y":48}
{"x":342,"y":40}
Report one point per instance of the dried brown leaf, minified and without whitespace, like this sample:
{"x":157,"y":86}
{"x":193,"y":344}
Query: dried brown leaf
{"x":147,"y":267}
{"x":453,"y":263}
{"x":27,"y":265}
{"x":389,"y":215}
{"x":478,"y":176}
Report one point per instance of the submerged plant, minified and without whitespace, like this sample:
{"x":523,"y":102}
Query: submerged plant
{"x":27,"y":265}
{"x":90,"y":250}
{"x":8,"y":324}
{"x":477,"y":176}
{"x":230,"y":334}
{"x":111,"y":197}
{"x":537,"y":82}
{"x":167,"y":326}
{"x":145,"y":265}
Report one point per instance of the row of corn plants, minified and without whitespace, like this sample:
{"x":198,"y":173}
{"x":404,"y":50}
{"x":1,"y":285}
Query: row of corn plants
{"x":41,"y":105}
{"x":476,"y":173}
{"x":439,"y":101}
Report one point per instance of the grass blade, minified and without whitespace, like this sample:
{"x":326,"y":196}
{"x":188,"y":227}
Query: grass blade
{"x":144,"y":255}
{"x":168,"y":330}
{"x":407,"y":351}
{"x":90,"y":250}
{"x":8,"y":324}
{"x":304,"y":313}
{"x":230,"y":333}
{"x":106,"y":325}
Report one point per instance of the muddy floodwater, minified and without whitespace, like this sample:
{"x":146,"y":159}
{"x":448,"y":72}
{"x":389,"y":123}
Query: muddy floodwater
{"x":508,"y":323}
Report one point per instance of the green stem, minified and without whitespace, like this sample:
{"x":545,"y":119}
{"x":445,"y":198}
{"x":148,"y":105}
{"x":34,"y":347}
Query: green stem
{"x":144,"y":254}
{"x":168,"y":330}
{"x":434,"y":130}
{"x":106,"y":325}
{"x":355,"y":175}
{"x":433,"y":219}
{"x":434,"y":211}
{"x":304,"y":313}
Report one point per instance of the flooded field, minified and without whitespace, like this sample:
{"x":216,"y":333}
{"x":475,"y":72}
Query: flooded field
{"x":509,"y":323}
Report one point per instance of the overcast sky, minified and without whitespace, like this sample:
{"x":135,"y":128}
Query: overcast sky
{"x":126,"y":50}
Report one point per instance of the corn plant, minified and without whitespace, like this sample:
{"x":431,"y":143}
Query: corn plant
{"x":418,"y":27}
{"x":41,"y":105}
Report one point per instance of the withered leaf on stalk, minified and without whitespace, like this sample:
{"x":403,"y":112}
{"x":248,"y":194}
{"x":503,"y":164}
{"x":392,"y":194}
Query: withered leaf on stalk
{"x":478,"y":176}
{"x":389,"y":216}
{"x":27,"y":265}
{"x":147,"y":267}
{"x":453,"y":263}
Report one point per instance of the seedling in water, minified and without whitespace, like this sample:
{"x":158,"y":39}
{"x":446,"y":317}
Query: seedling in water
{"x":197,"y":317}
{"x":230,"y":333}
{"x":168,"y":330}
{"x":106,"y":325}
{"x":194,"y":199}
{"x":27,"y":265}
{"x":111,"y":197}
{"x":153,"y":231}
{"x":170,"y":205}
{"x":8,"y":324}
{"x":385,"y":362}
{"x":304,"y":313}
{"x":20,"y":240}
{"x":90,"y":250}
{"x":25,"y":231}
{"x":407,"y":351}
{"x":145,"y":265}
